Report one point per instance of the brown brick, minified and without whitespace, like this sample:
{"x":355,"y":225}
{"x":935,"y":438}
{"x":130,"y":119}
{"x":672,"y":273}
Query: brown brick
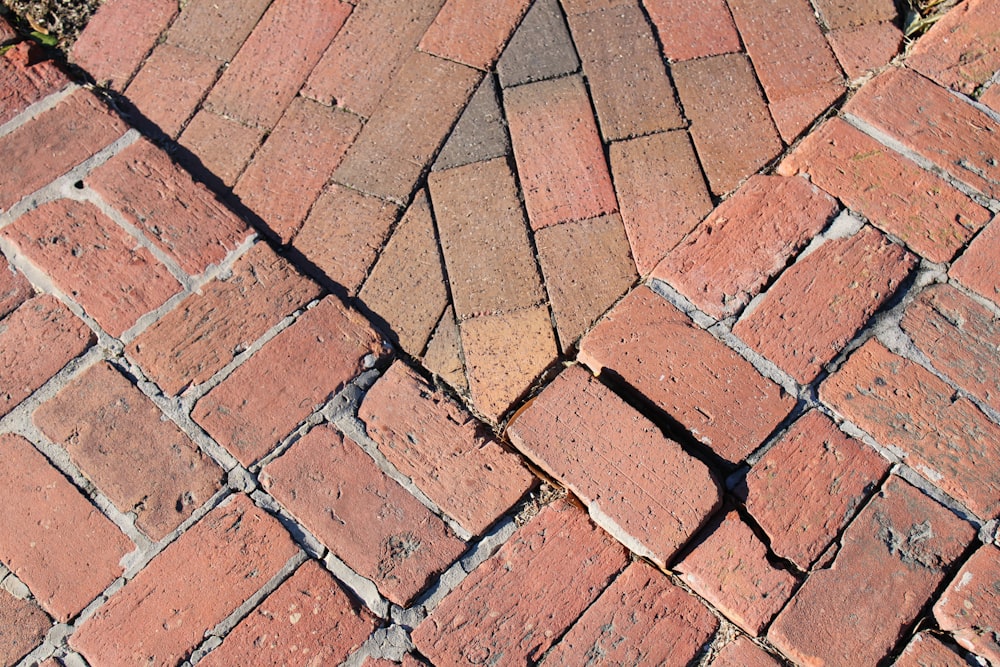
{"x":293,"y":374}
{"x":25,"y":78}
{"x":962,"y":49}
{"x":294,"y":164}
{"x":94,"y":261}
{"x":449,"y":455}
{"x":140,"y":459}
{"x":515,"y":605}
{"x":744,"y":653}
{"x":923,"y":210}
{"x":540,"y":48}
{"x":745,"y":241}
{"x":444,"y":352}
{"x":865,"y":48}
{"x":480,"y":133}
{"x":222,"y":146}
{"x":473,"y":32}
{"x":970,"y":607}
{"x":926,"y":650}
{"x":216,"y":29}
{"x":14,"y":288}
{"x":51,"y":537}
{"x":829,"y":476}
{"x":25,"y":626}
{"x":892,"y":558}
{"x":687,"y":373}
{"x":366,"y":519}
{"x":979,"y":266}
{"x":696,"y":29}
{"x":163,"y":612}
{"x":946,"y":439}
{"x":821,"y":302}
{"x":840,"y":13}
{"x":640,"y":619}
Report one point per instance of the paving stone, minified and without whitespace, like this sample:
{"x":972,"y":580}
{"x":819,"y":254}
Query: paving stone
{"x":162,"y":614}
{"x":515,"y":605}
{"x":746,"y":241}
{"x":295,"y":162}
{"x":215,"y":29}
{"x":308,"y":618}
{"x":962,"y":49}
{"x":926,"y":650}
{"x":444,"y":352}
{"x":480,"y":133}
{"x":14,"y":288}
{"x":222,"y":146}
{"x":794,"y":115}
{"x":744,"y":653}
{"x":52,"y":538}
{"x":662,"y":193}
{"x":689,"y":30}
{"x":540,"y":48}
{"x":979,"y":266}
{"x":275,"y":60}
{"x":473,"y":32}
{"x":865,"y":48}
{"x":365,"y":518}
{"x":548,"y":121}
{"x":55,"y":142}
{"x":25,"y":626}
{"x":730,"y":123}
{"x":93,"y":261}
{"x":25,"y":78}
{"x":411,"y":122}
{"x":638,"y":485}
{"x":435,"y":442}
{"x":140,"y":459}
{"x":627,"y":79}
{"x":923,"y":210}
{"x":44,"y":331}
{"x":828,"y":474}
{"x":892,"y":558}
{"x":640,"y":619}
{"x":587,"y":267}
{"x":991,"y":98}
{"x":181,"y":217}
{"x":944,"y":437}
{"x":840,"y":13}
{"x":970,"y":608}
{"x":687,"y":373}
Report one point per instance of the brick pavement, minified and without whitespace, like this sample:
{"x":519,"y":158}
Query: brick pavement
{"x":438,"y":332}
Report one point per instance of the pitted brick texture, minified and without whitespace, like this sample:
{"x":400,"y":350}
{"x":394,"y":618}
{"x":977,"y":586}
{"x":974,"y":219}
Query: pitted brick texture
{"x":25,"y":78}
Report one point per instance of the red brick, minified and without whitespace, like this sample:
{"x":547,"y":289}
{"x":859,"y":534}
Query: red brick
{"x":275,"y":60}
{"x":794,"y":115}
{"x":696,"y":29}
{"x":55,"y":142}
{"x":293,"y":374}
{"x":829,"y":476}
{"x":515,"y":605}
{"x":215,"y":29}
{"x":745,"y":241}
{"x":415,"y":115}
{"x":970,"y":608}
{"x":840,"y":13}
{"x":366,"y":519}
{"x":924,"y":211}
{"x":744,"y":653}
{"x":892,"y":558}
{"x":444,"y":352}
{"x":14,"y":289}
{"x":962,"y":49}
{"x":94,"y":261}
{"x":296,"y":160}
{"x":52,"y":538}
{"x":991,"y":98}
{"x":308,"y":619}
{"x":865,"y":48}
{"x":550,"y":120}
{"x":171,"y":85}
{"x":687,"y":373}
{"x":119,"y":37}
{"x":473,"y":32}
{"x":25,"y":626}
{"x":946,"y":439}
{"x":926,"y":650}
{"x":44,"y":331}
{"x":181,"y":217}
{"x":222,"y":146}
{"x":928,"y":119}
{"x":25,"y":78}
{"x":730,"y":123}
{"x":821,"y":302}
{"x":626,"y":76}
{"x":449,"y":455}
{"x":638,"y":485}
{"x":640,"y":619}
{"x":163,"y":612}
{"x":979,"y":266}
{"x":140,"y":459}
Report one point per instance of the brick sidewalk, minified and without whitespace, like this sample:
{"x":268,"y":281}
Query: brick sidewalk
{"x":442,"y":332}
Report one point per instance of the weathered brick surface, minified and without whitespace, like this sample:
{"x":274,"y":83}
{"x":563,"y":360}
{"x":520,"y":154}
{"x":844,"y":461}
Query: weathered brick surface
{"x":548,"y":121}
{"x":25,"y":78}
{"x":293,"y":374}
{"x":744,"y":653}
{"x":515,"y":605}
{"x":365,"y":518}
{"x":840,"y":13}
{"x":638,"y":485}
{"x":124,"y":444}
{"x":746,"y":241}
{"x":730,"y":123}
{"x":216,"y":29}
{"x":962,"y":49}
{"x":926,"y":650}
{"x":640,"y":619}
{"x":14,"y":288}
{"x":689,"y":30}
{"x":923,"y":210}
{"x":52,"y":538}
{"x":222,"y":146}
{"x":979,"y":266}
{"x":625,"y":72}
{"x":861,"y":49}
{"x":444,"y":352}
{"x":298,"y":157}
{"x":163,"y":613}
{"x":821,"y":302}
{"x":829,"y":476}
{"x":991,"y":98}
{"x":24,"y":624}
{"x":308,"y":619}
{"x":540,"y":48}
{"x":435,"y":442}
{"x":945,"y":438}
{"x":892,"y":558}
{"x":970,"y":608}
{"x":473,"y":32}
{"x":93,"y":261}
{"x":480,"y":133}
{"x":687,"y":373}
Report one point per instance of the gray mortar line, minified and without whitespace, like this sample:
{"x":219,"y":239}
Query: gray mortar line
{"x":38,"y":108}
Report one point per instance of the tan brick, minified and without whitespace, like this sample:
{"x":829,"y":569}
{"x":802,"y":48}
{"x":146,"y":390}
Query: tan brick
{"x":962,"y":49}
{"x":970,"y":608}
{"x":473,"y":32}
{"x":25,"y":626}
{"x":222,"y":146}
{"x":865,"y":48}
{"x":444,"y":352}
{"x":979,"y":266}
{"x":25,"y":78}
{"x":691,"y":29}
{"x":170,"y":86}
{"x":216,"y":29}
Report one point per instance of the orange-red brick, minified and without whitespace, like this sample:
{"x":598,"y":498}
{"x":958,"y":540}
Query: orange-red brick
{"x":25,"y":78}
{"x":979,"y":266}
{"x":693,"y":29}
{"x":861,"y":49}
{"x":970,"y":607}
{"x":962,"y":49}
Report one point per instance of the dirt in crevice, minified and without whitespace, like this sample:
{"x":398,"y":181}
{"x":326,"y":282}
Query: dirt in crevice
{"x":53,"y":22}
